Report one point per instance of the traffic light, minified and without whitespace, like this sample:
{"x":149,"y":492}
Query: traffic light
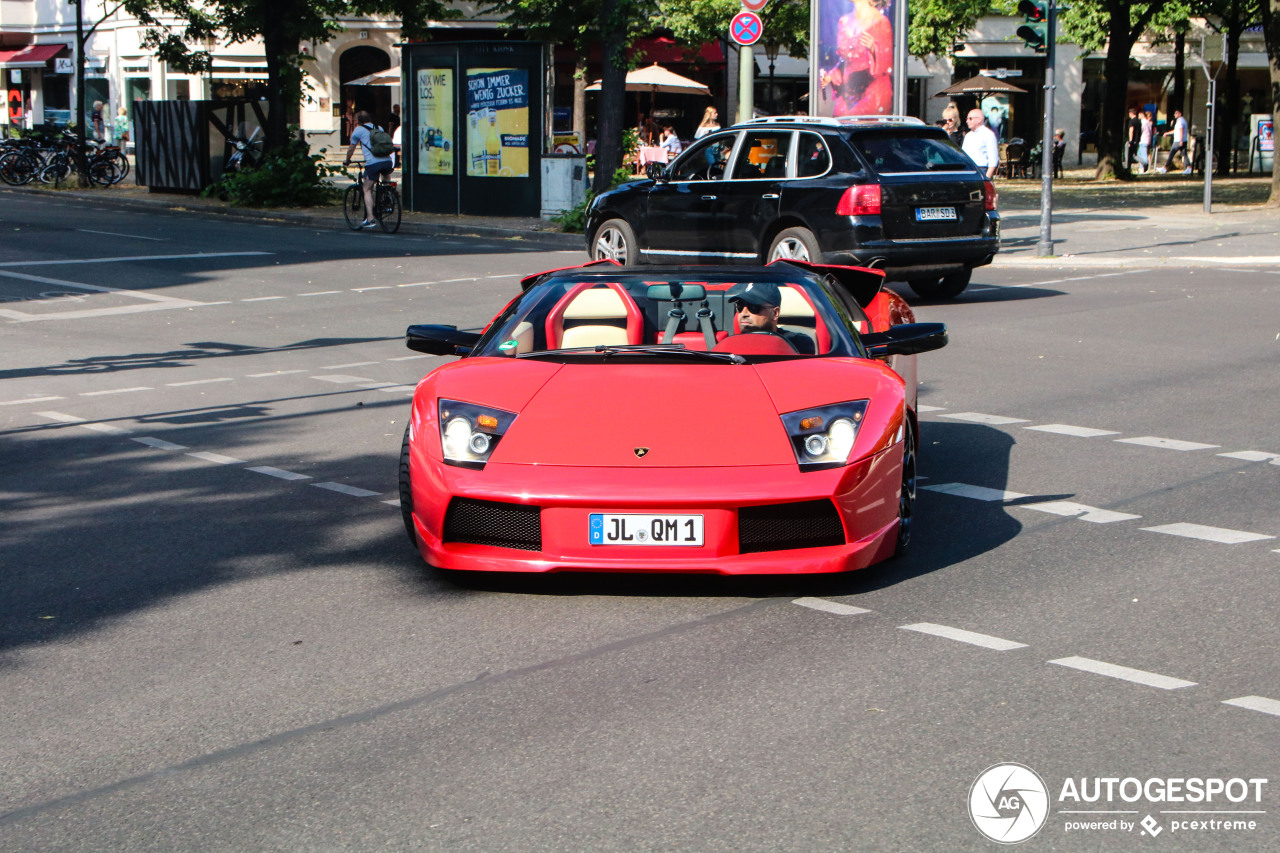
{"x":1036,"y":15}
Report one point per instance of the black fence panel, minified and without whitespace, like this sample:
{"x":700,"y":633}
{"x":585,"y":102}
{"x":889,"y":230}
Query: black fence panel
{"x":183,"y":146}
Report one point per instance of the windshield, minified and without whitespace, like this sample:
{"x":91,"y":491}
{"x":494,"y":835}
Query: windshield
{"x":894,"y":152}
{"x":605,"y":316}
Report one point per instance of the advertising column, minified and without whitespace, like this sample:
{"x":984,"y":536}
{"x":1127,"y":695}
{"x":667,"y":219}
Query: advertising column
{"x":853,"y":64}
{"x":497,"y":125}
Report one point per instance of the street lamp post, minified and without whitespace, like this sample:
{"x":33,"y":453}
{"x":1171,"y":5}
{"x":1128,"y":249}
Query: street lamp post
{"x":771,"y":51}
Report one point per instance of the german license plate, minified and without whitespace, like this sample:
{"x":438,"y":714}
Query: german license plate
{"x":934,"y":214}
{"x":635,"y":529}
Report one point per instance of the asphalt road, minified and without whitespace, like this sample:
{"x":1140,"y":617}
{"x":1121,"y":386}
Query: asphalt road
{"x":214,"y":636}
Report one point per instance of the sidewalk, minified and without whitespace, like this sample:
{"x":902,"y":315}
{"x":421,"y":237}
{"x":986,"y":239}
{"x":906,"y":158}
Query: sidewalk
{"x":1154,"y":220}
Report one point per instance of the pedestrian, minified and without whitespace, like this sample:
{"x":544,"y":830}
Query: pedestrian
{"x":95,"y":120}
{"x":709,"y":124}
{"x":1148,"y":127}
{"x":393,"y":123}
{"x":374,"y":164}
{"x":981,"y":145}
{"x":1059,"y":151}
{"x":1133,"y":131}
{"x":122,"y":127}
{"x":1179,"y":134}
{"x":671,"y":142}
{"x":951,"y":123}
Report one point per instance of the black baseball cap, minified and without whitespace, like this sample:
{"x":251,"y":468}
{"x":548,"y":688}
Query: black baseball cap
{"x":755,"y":293}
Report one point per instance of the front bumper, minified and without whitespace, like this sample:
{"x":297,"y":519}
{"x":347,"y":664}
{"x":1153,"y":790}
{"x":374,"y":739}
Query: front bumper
{"x":864,"y":496}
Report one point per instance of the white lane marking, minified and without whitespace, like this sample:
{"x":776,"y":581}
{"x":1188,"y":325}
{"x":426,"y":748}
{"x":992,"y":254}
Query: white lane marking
{"x":1256,"y":703}
{"x":278,"y":473}
{"x":320,"y":293}
{"x":216,"y":458}
{"x":273,"y":373}
{"x":962,"y":636}
{"x":392,"y":389}
{"x":380,"y":386}
{"x":343,"y":379}
{"x":1138,"y":676}
{"x":1078,"y":431}
{"x":346,"y":490}
{"x":61,"y":418}
{"x":409,"y":357}
{"x":392,"y":502}
{"x":830,"y":606}
{"x":1167,"y":443}
{"x":980,"y":418}
{"x":1222,"y":535}
{"x":155,"y":302}
{"x":920,"y":407}
{"x":29,"y":400}
{"x":1082,"y":511}
{"x":106,"y":428}
{"x":352,"y":364}
{"x":200,"y":381}
{"x":261,"y":298}
{"x":1267,"y":260}
{"x":118,"y":234}
{"x":133,"y":258}
{"x":116,"y":391}
{"x":1254,"y":456}
{"x":157,"y":443}
{"x":979,"y":493}
{"x":375,"y":287}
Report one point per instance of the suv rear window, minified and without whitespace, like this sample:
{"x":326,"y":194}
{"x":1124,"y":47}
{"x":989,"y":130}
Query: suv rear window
{"x":893,"y":152}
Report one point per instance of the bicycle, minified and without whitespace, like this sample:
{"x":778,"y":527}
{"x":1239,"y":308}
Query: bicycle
{"x":386,"y":204}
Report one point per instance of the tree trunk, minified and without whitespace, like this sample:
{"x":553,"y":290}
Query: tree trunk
{"x":278,"y":49}
{"x":613,"y":86}
{"x":1178,"y":97}
{"x":1111,"y":124}
{"x":82,"y":164}
{"x":1271,"y":27}
{"x":580,"y":99}
{"x":1225,"y":119}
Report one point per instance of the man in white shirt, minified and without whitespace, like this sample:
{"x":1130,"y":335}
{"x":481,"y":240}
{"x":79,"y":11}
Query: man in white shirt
{"x":1179,"y":134}
{"x":981,"y":145}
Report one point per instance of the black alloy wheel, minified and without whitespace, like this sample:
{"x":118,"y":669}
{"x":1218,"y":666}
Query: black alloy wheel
{"x":907,"y":492}
{"x":406,"y":492}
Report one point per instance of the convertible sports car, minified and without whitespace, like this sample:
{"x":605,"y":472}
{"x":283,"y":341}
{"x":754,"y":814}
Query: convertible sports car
{"x":610,"y":419}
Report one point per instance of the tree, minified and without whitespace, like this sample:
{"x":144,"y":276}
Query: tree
{"x":936,"y":26}
{"x":82,"y":41}
{"x":1271,"y":29}
{"x":1230,"y":18}
{"x":282,"y":25}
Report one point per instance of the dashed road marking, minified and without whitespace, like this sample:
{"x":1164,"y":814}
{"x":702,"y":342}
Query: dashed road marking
{"x":343,"y":488}
{"x":61,"y":418}
{"x":410,"y":357}
{"x":352,"y":364}
{"x":1254,"y":456}
{"x":132,"y":259}
{"x":960,"y":635}
{"x":200,"y":382}
{"x":1112,"y":670}
{"x":830,"y":606}
{"x":1256,"y":703}
{"x":1222,"y":535}
{"x":29,"y":400}
{"x":392,"y":502}
{"x":1167,"y":443}
{"x":980,"y":418}
{"x":1078,"y":431}
{"x":116,"y":391}
{"x":216,"y":458}
{"x":374,"y":287}
{"x":343,"y":379}
{"x":978,"y":493}
{"x":262,"y":298}
{"x":278,"y":473}
{"x":273,"y":373}
{"x":321,"y":293}
{"x":920,"y":407}
{"x":159,"y":444}
{"x":106,"y":428}
{"x":1084,"y":512}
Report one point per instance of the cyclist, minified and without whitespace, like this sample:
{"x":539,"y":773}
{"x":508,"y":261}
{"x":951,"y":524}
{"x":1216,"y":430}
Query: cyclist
{"x":373,"y":166}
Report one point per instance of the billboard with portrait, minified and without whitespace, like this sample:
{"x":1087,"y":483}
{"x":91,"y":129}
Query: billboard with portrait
{"x":854,"y":57}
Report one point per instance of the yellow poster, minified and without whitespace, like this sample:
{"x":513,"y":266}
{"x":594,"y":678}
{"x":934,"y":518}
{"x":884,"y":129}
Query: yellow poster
{"x":436,"y":142}
{"x":498,"y":122}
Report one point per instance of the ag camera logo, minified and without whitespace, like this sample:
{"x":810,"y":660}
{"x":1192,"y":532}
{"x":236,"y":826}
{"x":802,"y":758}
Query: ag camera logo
{"x":1008,"y":803}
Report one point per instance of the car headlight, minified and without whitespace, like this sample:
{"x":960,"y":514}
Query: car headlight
{"x":469,"y":433}
{"x":824,"y":437}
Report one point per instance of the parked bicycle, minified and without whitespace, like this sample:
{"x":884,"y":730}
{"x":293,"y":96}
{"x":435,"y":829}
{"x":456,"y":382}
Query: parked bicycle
{"x":386,"y":204}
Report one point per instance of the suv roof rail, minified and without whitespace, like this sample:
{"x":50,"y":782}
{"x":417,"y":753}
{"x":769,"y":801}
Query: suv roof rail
{"x":840,"y":121}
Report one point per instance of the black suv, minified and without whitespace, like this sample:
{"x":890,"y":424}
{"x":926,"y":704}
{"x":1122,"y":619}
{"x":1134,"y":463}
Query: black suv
{"x":882,"y":191}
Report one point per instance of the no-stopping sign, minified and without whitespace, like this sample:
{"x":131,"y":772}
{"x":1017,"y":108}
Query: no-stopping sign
{"x":745,"y":28}
{"x":754,"y":5}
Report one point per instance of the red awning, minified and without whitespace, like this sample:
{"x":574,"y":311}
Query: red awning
{"x":31,"y":56}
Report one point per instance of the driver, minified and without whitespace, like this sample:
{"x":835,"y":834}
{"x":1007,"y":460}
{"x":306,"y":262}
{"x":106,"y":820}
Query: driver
{"x":757,"y":306}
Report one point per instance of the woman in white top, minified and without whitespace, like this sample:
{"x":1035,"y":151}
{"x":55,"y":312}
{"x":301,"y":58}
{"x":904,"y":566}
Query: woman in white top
{"x":710,"y":122}
{"x":671,"y":142}
{"x":1144,"y":142}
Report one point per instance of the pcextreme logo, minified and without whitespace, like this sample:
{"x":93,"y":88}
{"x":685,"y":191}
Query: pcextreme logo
{"x":1008,"y":803}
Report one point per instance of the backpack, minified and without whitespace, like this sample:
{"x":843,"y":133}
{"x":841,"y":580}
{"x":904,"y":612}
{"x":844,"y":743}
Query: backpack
{"x":380,"y":142}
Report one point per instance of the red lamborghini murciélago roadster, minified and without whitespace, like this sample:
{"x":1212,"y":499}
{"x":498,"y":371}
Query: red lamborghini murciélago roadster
{"x":618,"y":420}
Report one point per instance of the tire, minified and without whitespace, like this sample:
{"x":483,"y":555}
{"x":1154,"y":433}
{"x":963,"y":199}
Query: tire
{"x":353,"y":207}
{"x":797,"y":243}
{"x":55,"y":172}
{"x":615,"y":241}
{"x":18,"y":168}
{"x":103,"y":172}
{"x":387,"y":209}
{"x":906,"y":492}
{"x":406,"y":492}
{"x":947,"y":287}
{"x":122,"y":165}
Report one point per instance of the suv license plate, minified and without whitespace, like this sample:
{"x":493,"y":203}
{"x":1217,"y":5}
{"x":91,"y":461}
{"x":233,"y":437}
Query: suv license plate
{"x":632,"y":529}
{"x":932,"y":214}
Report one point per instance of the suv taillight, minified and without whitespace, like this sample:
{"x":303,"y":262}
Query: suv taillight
{"x":989,"y":196}
{"x":860,"y":200}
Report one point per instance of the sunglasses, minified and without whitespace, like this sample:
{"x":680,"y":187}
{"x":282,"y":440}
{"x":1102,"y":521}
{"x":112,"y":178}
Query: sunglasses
{"x":754,"y":309}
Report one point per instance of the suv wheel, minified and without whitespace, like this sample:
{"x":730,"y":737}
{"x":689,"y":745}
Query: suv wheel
{"x":615,"y":241}
{"x":797,"y":243}
{"x":947,"y":287}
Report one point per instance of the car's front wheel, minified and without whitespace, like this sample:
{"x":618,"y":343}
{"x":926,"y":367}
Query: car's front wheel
{"x":795,"y":244}
{"x":406,"y":492}
{"x":615,"y":241}
{"x":947,"y":287}
{"x":907,"y":492}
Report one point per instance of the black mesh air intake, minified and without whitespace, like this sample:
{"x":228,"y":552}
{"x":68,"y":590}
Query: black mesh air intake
{"x":501,"y":525}
{"x":779,"y":527}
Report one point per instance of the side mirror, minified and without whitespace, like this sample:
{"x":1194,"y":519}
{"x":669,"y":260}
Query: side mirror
{"x":906,"y":339}
{"x":440,"y":340}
